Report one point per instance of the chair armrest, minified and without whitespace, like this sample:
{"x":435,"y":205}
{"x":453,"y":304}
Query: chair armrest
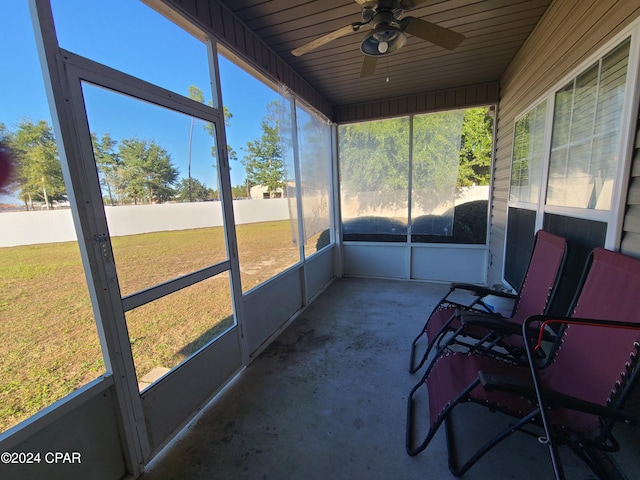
{"x":545,"y":320}
{"x":500,"y":325}
{"x":548,"y":398}
{"x":552,"y":398}
{"x":481,"y":291}
{"x":491,"y":322}
{"x":507,"y":384}
{"x":561,"y":400}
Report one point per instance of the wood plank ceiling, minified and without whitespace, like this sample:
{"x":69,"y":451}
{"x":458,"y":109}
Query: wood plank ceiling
{"x":495,"y":30}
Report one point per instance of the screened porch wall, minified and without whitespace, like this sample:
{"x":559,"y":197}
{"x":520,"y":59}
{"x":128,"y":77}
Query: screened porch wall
{"x":128,"y":441}
{"x":567,"y":34}
{"x":215,"y":18}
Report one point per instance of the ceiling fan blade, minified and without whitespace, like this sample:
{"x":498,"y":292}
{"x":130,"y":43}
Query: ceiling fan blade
{"x":368,"y":66}
{"x":369,"y":3}
{"x":329,"y":37}
{"x":431,"y":32}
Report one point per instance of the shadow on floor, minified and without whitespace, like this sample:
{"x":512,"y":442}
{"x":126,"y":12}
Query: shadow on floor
{"x":327,"y":400}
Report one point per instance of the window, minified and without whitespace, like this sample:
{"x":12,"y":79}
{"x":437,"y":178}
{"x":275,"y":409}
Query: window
{"x":374,"y":180}
{"x":524,"y":191}
{"x":151,"y":162}
{"x":586,"y":134}
{"x":106,"y":31}
{"x":519,"y":245}
{"x":169,"y":330}
{"x":49,"y":345}
{"x":314,"y":144}
{"x":434,"y":169}
{"x":159,"y":180}
{"x":260,"y":153}
{"x":528,"y":150}
{"x":577,"y":162}
{"x":450,"y":165}
{"x":264,"y":127}
{"x":583,"y":235}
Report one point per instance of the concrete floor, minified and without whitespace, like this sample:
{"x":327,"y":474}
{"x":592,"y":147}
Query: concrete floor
{"x":327,"y":400}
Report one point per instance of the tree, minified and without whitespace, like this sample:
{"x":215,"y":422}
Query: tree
{"x":6,"y":149}
{"x":231,"y":153}
{"x":374,"y":162}
{"x":38,"y":168}
{"x":239,"y":191}
{"x":450,"y":150}
{"x":189,"y":190}
{"x":108,"y":164}
{"x":147,"y":173}
{"x":436,"y":159}
{"x":264,"y":162}
{"x":195,"y":93}
{"x":374,"y":155}
{"x":477,"y":144}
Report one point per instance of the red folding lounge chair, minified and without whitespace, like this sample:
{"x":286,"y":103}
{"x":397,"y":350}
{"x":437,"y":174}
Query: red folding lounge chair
{"x":543,"y":273}
{"x":582,"y":391}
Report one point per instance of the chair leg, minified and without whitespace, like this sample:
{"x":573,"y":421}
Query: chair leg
{"x":454,"y":467}
{"x":430,"y":346}
{"x":441,"y":347}
{"x":598,"y":461}
{"x":413,"y":368}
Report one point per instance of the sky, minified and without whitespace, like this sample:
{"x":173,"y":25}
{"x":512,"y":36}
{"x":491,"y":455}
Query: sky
{"x":130,"y":37}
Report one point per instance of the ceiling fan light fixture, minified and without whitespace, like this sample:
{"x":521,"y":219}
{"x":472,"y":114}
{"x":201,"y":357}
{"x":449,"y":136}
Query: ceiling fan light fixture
{"x":383,"y":40}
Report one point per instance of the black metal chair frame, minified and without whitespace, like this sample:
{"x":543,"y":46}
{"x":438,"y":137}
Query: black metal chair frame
{"x":478,"y":305}
{"x":478,"y":313}
{"x":592,"y":451}
{"x":585,"y":448}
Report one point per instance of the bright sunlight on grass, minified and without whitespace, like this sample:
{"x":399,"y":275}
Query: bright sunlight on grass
{"x":49,"y":344}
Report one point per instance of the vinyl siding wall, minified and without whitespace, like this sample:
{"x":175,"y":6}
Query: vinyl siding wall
{"x":631,"y":227}
{"x":452,"y":98}
{"x":567,"y":35}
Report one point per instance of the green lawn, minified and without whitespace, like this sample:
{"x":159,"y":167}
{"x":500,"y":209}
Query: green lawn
{"x":49,"y":344}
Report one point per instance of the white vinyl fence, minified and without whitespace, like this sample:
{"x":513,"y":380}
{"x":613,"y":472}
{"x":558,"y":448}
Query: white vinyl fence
{"x":48,"y":226}
{"x":378,"y":203}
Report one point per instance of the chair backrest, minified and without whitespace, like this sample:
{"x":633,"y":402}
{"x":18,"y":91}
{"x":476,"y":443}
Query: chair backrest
{"x":543,"y":273}
{"x":592,"y":363}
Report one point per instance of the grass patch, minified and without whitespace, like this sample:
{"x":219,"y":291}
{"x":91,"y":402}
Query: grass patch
{"x":49,"y":344}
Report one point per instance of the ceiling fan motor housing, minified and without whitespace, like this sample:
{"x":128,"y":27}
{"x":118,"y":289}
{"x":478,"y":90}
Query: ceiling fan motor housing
{"x":387,"y":36}
{"x":383,"y":40}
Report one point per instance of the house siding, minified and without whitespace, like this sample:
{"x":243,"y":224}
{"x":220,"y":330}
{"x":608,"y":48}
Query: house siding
{"x":462,"y":97}
{"x":566,"y":36}
{"x":630,"y":243}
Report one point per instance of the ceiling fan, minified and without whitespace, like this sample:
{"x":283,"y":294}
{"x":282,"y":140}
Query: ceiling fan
{"x":388,"y":34}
